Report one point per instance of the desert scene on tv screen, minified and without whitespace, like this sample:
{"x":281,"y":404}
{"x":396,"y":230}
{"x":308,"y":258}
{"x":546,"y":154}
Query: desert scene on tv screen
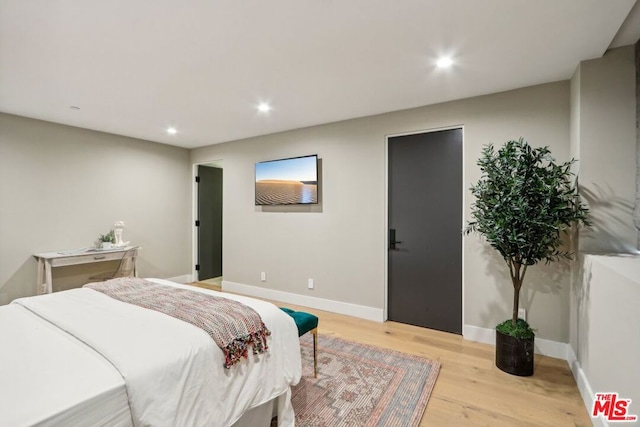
{"x":287,"y":182}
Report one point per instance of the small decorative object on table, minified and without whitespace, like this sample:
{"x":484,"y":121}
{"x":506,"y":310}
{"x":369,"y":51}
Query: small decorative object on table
{"x":119,"y":227}
{"x":107,"y":240}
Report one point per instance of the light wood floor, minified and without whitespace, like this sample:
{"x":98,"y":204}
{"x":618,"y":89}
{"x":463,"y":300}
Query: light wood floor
{"x":470,"y":390}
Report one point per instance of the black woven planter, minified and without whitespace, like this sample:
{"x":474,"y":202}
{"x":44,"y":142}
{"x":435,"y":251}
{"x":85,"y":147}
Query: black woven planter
{"x":514,"y":355}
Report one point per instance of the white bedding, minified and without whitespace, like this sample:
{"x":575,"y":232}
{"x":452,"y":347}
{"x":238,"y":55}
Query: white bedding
{"x":173,"y":370}
{"x":48,"y":378}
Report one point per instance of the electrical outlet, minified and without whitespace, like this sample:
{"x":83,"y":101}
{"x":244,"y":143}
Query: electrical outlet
{"x":263,"y":276}
{"x":310,"y":283}
{"x":522,"y":314}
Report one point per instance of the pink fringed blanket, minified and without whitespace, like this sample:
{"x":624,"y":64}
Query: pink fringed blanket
{"x":232,"y":325}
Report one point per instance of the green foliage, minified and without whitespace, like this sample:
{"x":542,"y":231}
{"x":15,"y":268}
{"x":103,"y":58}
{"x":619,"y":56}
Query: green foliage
{"x":524,"y":201}
{"x":524,"y":204}
{"x":521,"y":329}
{"x":109,"y":237}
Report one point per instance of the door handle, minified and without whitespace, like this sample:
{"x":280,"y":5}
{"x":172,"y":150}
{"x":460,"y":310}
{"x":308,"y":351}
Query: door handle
{"x":392,"y":240}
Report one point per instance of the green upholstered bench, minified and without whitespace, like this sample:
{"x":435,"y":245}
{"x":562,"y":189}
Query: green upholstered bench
{"x":306,"y":322}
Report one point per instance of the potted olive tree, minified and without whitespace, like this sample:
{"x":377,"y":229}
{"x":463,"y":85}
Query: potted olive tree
{"x":524,"y":204}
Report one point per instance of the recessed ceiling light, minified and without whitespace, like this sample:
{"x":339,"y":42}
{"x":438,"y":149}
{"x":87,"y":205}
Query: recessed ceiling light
{"x":444,"y":62}
{"x":264,"y":107}
{"x":172,"y":131}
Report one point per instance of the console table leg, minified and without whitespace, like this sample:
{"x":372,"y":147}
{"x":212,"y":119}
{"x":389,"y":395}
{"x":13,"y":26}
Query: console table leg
{"x":135,"y":268}
{"x":48,"y":277}
{"x":40,"y":283}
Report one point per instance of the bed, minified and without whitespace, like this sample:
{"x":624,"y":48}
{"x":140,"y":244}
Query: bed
{"x":79,"y":357}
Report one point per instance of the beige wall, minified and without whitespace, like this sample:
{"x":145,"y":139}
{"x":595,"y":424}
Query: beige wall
{"x":341,"y":243}
{"x":609,"y":347}
{"x":606,"y":127}
{"x":604,"y":293}
{"x":61,"y":186}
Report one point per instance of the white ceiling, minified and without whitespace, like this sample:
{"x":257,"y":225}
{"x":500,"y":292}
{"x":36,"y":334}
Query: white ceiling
{"x":136,"y":67}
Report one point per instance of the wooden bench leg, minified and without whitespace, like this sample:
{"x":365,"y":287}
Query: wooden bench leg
{"x":315,"y":352}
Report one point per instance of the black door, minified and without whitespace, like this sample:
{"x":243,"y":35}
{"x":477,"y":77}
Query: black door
{"x":210,"y":220}
{"x":425,"y":223}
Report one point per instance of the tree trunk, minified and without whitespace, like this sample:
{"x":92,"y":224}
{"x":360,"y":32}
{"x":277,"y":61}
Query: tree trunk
{"x":517,"y":275}
{"x":516,"y":302}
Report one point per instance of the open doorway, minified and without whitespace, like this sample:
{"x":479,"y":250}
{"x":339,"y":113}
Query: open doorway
{"x":209,"y":179}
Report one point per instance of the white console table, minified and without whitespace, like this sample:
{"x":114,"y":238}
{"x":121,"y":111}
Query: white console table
{"x":47,"y":260}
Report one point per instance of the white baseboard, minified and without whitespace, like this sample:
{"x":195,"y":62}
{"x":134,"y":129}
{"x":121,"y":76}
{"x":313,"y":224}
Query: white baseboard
{"x":586,"y":392}
{"x":361,"y":311}
{"x":542,"y":346}
{"x":185,"y":278}
{"x":551,"y":348}
{"x":475,"y":333}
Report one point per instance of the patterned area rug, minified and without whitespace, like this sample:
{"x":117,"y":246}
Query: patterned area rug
{"x":361,"y":385}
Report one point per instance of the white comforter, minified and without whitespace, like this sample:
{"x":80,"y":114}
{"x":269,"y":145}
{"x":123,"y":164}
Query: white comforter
{"x":48,"y":378}
{"x":173,"y":370}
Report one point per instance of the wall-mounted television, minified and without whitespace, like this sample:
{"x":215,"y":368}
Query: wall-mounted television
{"x":292,"y":181}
